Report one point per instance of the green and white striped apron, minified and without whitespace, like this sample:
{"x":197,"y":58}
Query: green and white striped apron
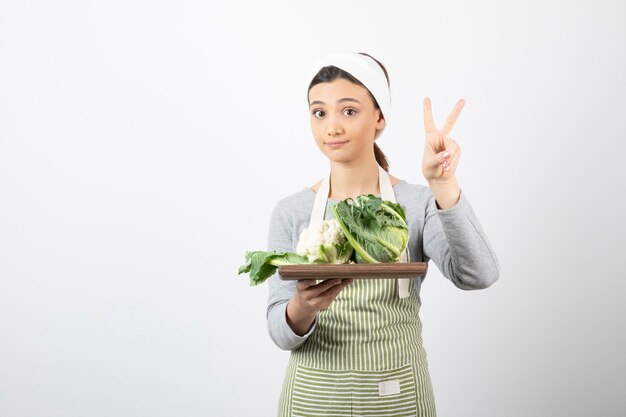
{"x":365,"y":356}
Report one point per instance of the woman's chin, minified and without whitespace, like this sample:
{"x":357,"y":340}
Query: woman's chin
{"x":334,"y":156}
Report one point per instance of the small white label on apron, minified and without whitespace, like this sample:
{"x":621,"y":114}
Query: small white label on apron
{"x":389,"y":387}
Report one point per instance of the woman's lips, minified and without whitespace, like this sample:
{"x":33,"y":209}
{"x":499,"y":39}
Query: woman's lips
{"x":336,"y":144}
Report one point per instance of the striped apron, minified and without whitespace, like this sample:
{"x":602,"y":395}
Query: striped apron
{"x":365,"y":356}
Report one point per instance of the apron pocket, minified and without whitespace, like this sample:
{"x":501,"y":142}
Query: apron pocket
{"x":322,"y":392}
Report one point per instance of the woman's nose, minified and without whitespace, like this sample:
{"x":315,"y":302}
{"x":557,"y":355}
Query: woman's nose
{"x":333,"y":128}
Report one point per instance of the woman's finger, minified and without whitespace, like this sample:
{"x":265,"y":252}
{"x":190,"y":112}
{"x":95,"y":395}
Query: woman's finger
{"x":323,"y":300}
{"x":305,"y":283}
{"x":435,"y":142}
{"x":447,"y":127}
{"x":450,"y":166}
{"x":340,"y":285}
{"x":429,"y":123}
{"x":441,"y":158}
{"x":318,"y":289}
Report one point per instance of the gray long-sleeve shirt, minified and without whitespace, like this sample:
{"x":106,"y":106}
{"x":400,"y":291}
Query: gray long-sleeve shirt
{"x":452,"y":238}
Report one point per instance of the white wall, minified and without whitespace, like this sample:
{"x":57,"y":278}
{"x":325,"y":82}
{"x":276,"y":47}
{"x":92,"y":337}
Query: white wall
{"x":143,"y":145}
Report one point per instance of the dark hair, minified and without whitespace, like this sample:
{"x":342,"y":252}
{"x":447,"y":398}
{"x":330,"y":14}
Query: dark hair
{"x":331,"y":73}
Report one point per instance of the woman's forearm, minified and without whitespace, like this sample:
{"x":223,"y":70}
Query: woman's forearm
{"x":454,"y":239}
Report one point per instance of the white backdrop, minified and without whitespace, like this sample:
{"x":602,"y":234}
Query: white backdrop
{"x":144,"y":143}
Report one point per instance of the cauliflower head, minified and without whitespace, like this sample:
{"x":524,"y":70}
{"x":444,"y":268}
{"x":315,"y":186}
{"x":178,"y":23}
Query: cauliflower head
{"x":325,"y":242}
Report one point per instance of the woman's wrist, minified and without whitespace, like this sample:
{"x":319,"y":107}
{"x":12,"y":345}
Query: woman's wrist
{"x":447,"y":192}
{"x":298,"y":318}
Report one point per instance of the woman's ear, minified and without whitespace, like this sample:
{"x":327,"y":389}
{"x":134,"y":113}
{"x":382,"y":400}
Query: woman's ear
{"x":380,"y":123}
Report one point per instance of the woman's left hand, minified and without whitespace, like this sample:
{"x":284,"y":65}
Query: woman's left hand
{"x":441,"y":152}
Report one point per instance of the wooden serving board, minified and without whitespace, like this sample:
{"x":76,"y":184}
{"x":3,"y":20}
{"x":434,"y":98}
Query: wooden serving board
{"x":356,"y":271}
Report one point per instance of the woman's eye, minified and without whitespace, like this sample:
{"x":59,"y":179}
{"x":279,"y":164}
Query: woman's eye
{"x":350,"y":112}
{"x":318,"y":113}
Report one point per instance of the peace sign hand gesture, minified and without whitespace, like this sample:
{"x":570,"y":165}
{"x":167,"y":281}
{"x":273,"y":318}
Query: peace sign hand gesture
{"x":441,"y":153}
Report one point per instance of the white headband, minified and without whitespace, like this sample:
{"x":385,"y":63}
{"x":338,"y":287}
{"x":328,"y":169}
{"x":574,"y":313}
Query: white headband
{"x":364,"y":69}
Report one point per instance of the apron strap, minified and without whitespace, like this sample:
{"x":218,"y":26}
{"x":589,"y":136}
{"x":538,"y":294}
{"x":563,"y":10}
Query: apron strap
{"x":386,"y":193}
{"x":319,"y":206}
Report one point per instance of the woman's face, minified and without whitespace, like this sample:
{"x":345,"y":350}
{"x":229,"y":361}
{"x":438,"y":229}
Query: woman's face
{"x":344,"y":120}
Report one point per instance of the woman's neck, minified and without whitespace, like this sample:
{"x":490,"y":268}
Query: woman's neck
{"x":352,"y":180}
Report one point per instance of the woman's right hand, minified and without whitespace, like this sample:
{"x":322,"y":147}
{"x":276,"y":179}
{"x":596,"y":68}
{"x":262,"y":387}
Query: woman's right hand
{"x":309,"y":298}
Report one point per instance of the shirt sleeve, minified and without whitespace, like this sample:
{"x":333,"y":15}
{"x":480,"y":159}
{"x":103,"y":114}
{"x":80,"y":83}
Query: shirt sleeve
{"x":457,"y":244}
{"x":280,"y":239}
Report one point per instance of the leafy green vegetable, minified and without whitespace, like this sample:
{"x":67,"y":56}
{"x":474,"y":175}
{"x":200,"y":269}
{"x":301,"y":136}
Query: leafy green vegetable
{"x":367,"y":228}
{"x":262,"y":265}
{"x":375,"y":228}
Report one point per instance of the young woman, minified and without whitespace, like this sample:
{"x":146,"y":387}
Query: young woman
{"x":356,"y":346}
